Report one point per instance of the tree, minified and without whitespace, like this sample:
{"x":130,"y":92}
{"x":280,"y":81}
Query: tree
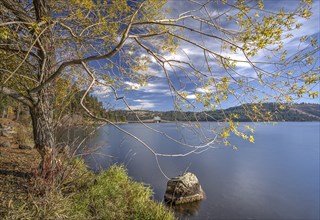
{"x":118,"y":40}
{"x":3,"y":105}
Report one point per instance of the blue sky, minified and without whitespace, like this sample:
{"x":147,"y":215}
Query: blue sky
{"x":156,"y":94}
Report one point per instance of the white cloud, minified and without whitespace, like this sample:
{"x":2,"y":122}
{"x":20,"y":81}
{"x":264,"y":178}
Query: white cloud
{"x":161,"y":88}
{"x":195,"y":54}
{"x":101,"y":91}
{"x":191,"y":96}
{"x":143,"y":104}
{"x":132,"y":85}
{"x":208,"y":90}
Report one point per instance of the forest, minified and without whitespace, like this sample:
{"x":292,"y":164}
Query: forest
{"x":294,"y":112}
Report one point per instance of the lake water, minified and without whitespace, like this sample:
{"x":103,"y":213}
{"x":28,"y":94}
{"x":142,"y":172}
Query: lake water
{"x":275,"y":178}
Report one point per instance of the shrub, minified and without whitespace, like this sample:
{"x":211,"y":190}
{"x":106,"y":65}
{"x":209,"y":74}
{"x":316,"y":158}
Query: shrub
{"x":114,"y":195}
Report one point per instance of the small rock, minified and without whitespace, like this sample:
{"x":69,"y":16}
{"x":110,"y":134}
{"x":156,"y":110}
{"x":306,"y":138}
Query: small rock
{"x":183,"y":189}
{"x":24,"y":147}
{"x":4,"y":144}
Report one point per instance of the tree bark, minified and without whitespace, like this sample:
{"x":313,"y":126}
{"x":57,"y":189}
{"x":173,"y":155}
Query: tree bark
{"x":42,"y":109}
{"x":17,"y":112}
{"x":43,"y":125}
{"x":4,"y":112}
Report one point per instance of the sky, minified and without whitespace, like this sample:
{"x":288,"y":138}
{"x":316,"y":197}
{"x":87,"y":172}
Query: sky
{"x":157,"y":95}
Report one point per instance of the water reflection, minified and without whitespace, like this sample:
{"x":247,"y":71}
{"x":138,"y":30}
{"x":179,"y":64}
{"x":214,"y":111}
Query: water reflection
{"x":186,"y":209}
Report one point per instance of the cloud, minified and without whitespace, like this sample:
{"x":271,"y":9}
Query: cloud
{"x":195,"y":54}
{"x":101,"y":91}
{"x":159,"y":87}
{"x":132,"y":85}
{"x":143,"y":104}
{"x":205,"y":90}
{"x":191,"y":96}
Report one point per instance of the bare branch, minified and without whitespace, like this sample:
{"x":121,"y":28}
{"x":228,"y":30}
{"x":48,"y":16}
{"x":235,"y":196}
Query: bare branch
{"x":147,"y":35}
{"x":14,"y":22}
{"x":187,"y":28}
{"x":16,"y":95}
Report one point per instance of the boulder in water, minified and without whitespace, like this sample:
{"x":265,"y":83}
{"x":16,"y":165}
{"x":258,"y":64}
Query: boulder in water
{"x":183,"y":189}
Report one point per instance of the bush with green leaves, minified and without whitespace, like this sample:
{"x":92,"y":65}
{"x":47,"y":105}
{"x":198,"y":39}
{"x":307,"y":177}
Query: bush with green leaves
{"x":114,"y":195}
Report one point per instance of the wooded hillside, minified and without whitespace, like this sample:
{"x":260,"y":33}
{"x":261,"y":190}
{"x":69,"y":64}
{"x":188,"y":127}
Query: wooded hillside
{"x":277,"y":112}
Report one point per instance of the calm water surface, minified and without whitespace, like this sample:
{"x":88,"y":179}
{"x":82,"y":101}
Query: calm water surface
{"x":275,"y":178}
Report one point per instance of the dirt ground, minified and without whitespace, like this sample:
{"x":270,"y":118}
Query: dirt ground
{"x":16,"y":167}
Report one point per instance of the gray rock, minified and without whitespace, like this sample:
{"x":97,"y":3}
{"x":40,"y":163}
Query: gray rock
{"x":4,"y":144}
{"x":183,"y":189}
{"x":24,"y":147}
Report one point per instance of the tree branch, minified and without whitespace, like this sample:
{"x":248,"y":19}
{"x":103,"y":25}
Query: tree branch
{"x":26,"y":56}
{"x":89,"y":58}
{"x":16,"y":95}
{"x":187,"y":28}
{"x":18,"y":11}
{"x":6,"y":48}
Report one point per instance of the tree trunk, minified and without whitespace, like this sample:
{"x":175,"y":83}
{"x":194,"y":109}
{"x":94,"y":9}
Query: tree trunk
{"x":43,"y":126}
{"x":42,"y":110}
{"x":4,"y":112}
{"x":17,"y":111}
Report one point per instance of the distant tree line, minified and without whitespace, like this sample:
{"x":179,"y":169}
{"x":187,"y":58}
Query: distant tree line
{"x":275,"y":111}
{"x":244,"y":113}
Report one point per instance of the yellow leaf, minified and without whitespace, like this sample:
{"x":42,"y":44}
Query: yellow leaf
{"x":251,"y":139}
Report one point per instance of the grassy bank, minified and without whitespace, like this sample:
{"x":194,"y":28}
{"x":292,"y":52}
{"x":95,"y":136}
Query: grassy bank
{"x":71,"y":191}
{"x":111,"y":194}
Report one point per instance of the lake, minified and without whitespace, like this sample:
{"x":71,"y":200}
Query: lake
{"x":275,"y":178}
